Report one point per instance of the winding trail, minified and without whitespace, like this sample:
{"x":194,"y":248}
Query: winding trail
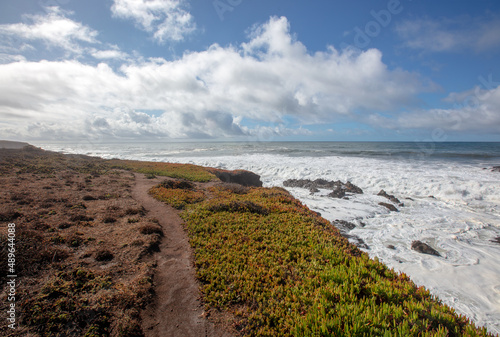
{"x":176,"y":309}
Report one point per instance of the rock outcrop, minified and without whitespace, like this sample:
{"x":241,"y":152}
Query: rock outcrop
{"x":424,"y":248}
{"x":390,"y":207}
{"x":242,"y":177}
{"x":6,"y":144}
{"x":392,"y":198}
{"x":339,"y":189}
{"x":344,"y":228}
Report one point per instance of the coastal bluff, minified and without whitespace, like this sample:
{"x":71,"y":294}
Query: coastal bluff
{"x":10,"y":145}
{"x":98,"y":238}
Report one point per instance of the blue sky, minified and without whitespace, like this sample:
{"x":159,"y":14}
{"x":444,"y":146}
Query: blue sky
{"x":131,"y":70}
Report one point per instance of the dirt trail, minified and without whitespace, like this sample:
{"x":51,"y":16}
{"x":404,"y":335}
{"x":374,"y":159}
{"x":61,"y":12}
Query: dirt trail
{"x":176,"y":310}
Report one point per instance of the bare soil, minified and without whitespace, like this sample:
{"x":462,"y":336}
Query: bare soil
{"x":176,"y":309}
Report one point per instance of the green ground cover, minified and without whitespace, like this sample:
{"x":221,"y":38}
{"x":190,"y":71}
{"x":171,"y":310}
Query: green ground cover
{"x":282,"y":270}
{"x":180,"y":171}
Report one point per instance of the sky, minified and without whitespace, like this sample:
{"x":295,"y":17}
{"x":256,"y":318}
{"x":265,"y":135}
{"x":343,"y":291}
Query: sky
{"x":280,"y":70}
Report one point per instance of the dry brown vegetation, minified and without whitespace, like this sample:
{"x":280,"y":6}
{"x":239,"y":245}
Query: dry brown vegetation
{"x":83,"y":245}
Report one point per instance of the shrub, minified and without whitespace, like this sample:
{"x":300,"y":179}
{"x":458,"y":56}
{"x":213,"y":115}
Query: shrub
{"x":109,"y":219}
{"x":104,"y":255}
{"x":177,"y":184}
{"x":134,"y":211}
{"x":151,"y":229}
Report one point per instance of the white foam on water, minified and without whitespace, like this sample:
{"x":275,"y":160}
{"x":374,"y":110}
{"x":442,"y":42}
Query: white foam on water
{"x":453,"y":207}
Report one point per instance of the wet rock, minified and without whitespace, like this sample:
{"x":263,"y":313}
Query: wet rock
{"x":343,"y":226}
{"x":313,"y":190}
{"x":495,"y":169}
{"x":391,"y":247}
{"x":496,"y":240}
{"x":357,"y":241}
{"x":338,"y":192}
{"x":424,"y":248}
{"x":390,"y":207}
{"x":242,"y":177}
{"x":351,"y":188}
{"x":392,"y":198}
{"x":339,"y":188}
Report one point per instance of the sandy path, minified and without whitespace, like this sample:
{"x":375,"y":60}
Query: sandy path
{"x":176,"y":310}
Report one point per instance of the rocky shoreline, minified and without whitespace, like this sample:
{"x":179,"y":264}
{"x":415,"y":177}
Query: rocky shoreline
{"x":343,"y":190}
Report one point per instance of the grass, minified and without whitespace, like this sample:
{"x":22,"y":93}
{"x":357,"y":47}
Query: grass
{"x":83,"y":269}
{"x":180,"y":171}
{"x":282,"y":270}
{"x":80,"y":302}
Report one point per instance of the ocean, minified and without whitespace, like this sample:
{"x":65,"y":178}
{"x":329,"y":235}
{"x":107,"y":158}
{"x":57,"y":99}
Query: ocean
{"x":451,"y":201}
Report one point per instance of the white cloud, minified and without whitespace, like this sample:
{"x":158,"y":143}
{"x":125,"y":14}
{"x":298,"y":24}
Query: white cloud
{"x":109,"y":54}
{"x":54,"y":28}
{"x":8,"y":58}
{"x":464,"y":33}
{"x":476,"y":110}
{"x":218,"y":92}
{"x":165,"y":19}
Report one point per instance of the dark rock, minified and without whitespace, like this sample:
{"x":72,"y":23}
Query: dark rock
{"x":313,"y":190}
{"x":339,"y":192}
{"x":390,"y":207}
{"x":495,"y":169}
{"x":352,"y":188}
{"x":496,"y":240}
{"x":357,"y":241}
{"x":343,"y":226}
{"x":392,"y":198}
{"x":242,"y":177}
{"x":407,"y":198}
{"x":339,"y":188}
{"x":391,"y":247}
{"x":309,"y":184}
{"x":424,"y":248}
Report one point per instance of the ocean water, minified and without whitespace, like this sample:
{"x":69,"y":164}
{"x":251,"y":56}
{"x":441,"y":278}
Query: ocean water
{"x":451,"y":201}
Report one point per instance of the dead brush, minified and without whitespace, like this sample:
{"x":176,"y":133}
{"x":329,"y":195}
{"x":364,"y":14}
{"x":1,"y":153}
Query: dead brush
{"x":149,"y":229}
{"x":136,"y":211}
{"x":177,"y":184}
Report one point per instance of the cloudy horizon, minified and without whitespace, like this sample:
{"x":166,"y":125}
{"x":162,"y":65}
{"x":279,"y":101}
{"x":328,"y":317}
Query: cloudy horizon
{"x":130,"y":70}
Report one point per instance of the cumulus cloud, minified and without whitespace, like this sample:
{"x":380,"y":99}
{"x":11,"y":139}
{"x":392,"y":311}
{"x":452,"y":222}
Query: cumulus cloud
{"x":55,"y":29}
{"x":475,"y":110}
{"x":449,"y":35}
{"x":214,"y":93}
{"x":167,"y":20}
